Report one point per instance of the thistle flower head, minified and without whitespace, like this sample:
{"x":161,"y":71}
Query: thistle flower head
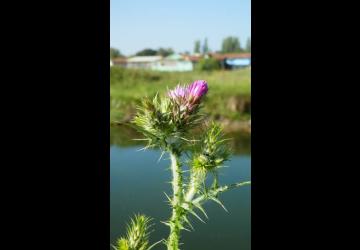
{"x":164,"y":120}
{"x":189,"y":96}
{"x":198,"y":88}
{"x":178,"y":92}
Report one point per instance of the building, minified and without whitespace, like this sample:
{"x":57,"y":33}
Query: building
{"x":142,"y":62}
{"x":194,"y":59}
{"x":233,"y":60}
{"x":174,"y":62}
{"x":120,"y":61}
{"x":178,"y":62}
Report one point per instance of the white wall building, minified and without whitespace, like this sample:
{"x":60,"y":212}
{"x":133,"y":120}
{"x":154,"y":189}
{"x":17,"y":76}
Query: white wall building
{"x":142,"y":62}
{"x":173,"y":63}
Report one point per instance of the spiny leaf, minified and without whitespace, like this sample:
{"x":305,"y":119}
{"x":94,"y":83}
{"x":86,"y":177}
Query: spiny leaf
{"x":169,"y":199}
{"x":184,"y":228}
{"x":155,"y":244}
{"x":187,"y":140}
{"x":139,"y":139}
{"x":162,"y":153}
{"x":219,"y":202}
{"x":166,"y":223}
{"x":188,"y":222}
{"x":197,"y":216}
{"x":201,"y":209}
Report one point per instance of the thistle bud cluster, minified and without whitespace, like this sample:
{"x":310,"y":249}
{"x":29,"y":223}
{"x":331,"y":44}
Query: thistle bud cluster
{"x":213,"y":149}
{"x":137,"y":236}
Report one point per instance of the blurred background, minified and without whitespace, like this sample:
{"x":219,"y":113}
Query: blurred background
{"x":154,"y":45}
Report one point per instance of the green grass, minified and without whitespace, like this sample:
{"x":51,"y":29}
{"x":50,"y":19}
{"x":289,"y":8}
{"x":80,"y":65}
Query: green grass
{"x":128,"y":87}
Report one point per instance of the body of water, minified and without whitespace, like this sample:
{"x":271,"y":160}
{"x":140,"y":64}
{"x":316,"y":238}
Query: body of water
{"x":138,"y":182}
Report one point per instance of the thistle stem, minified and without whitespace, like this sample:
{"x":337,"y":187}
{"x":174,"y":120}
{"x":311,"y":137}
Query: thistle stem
{"x":192,"y":191}
{"x":196,"y":178}
{"x":175,"y":221}
{"x":177,"y":178}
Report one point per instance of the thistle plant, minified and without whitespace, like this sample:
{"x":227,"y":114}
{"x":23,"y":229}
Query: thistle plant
{"x":168,"y":123}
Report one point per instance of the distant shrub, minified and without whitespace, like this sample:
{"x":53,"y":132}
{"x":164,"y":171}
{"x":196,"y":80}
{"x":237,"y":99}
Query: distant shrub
{"x":208,"y":64}
{"x":129,"y":76}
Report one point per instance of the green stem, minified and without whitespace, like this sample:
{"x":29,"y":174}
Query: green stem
{"x":219,"y":190}
{"x":196,"y":178}
{"x":175,"y":221}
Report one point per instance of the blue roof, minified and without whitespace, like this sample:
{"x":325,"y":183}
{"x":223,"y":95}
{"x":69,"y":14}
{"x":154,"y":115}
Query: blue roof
{"x":238,"y":62}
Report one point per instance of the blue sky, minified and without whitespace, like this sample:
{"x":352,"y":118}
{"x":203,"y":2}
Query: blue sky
{"x":139,"y":24}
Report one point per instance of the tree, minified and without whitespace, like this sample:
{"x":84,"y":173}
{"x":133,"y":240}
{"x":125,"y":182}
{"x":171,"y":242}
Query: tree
{"x":114,"y":53}
{"x":208,"y":64}
{"x":165,"y":52}
{"x":197,"y":47}
{"x":205,"y":47}
{"x":146,"y":52}
{"x":248,"y":45}
{"x":231,"y":45}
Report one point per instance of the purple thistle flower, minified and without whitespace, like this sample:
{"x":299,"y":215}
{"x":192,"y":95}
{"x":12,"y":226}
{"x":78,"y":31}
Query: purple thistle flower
{"x":197,"y":89}
{"x":189,"y":96}
{"x":178,"y":93}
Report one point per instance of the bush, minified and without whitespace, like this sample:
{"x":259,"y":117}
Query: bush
{"x":208,"y":64}
{"x":130,"y":76}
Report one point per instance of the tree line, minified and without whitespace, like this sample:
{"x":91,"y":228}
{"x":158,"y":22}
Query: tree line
{"x":114,"y":53}
{"x":230,"y":44}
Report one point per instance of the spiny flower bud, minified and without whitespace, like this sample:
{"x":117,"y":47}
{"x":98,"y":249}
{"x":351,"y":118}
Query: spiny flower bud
{"x":189,"y":96}
{"x":214,"y":149}
{"x":197,"y":89}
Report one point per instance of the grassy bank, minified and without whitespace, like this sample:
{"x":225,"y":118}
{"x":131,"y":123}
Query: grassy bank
{"x":228,"y":97}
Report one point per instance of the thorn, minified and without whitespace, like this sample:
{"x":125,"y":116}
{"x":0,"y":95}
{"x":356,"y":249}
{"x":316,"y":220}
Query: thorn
{"x":162,"y":153}
{"x":197,"y":216}
{"x":168,"y":198}
{"x":201,"y":209}
{"x":219,"y":202}
{"x":166,"y":223}
{"x":188,"y":222}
